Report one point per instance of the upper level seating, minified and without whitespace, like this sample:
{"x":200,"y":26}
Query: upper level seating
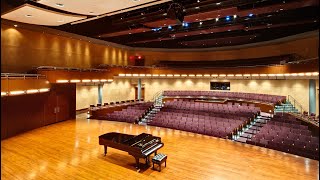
{"x":285,"y":133}
{"x":229,"y":95}
{"x":131,"y":114}
{"x":204,"y":118}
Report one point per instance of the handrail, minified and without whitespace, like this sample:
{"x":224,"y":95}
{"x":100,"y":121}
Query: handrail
{"x":8,"y":75}
{"x":296,"y":104}
{"x":69,"y":68}
{"x":156,"y":95}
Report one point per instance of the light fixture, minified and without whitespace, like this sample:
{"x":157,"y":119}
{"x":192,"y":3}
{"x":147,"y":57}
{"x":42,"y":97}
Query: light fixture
{"x":86,"y":80}
{"x":191,"y":75}
{"x":155,"y":75}
{"x":246,"y":75}
{"x":206,"y":75}
{"x":176,"y":75}
{"x":4,"y":93}
{"x":110,"y":80}
{"x":128,"y":75}
{"x":103,"y":80}
{"x":287,"y":74}
{"x":162,"y":75}
{"x":142,"y":75}
{"x":301,"y":74}
{"x":16,"y":92}
{"x":279,"y":74}
{"x":148,"y":75}
{"x":230,"y":75}
{"x":217,"y":19}
{"x":169,"y":75}
{"x":184,"y":75}
{"x":228,"y":18}
{"x":135,"y":75}
{"x":315,"y":73}
{"x":197,"y":7}
{"x":200,"y":23}
{"x":44,"y":90}
{"x":218,"y":3}
{"x":250,"y":15}
{"x":15,"y":25}
{"x":222,"y":75}
{"x":234,"y":16}
{"x":31,"y":91}
{"x":254,"y":75}
{"x":199,"y":75}
{"x":74,"y":80}
{"x":59,"y":5}
{"x":294,"y":74}
{"x":238,"y":75}
{"x":95,"y":80}
{"x":271,"y":75}
{"x":263,"y":75}
{"x":308,"y":74}
{"x":169,"y":27}
{"x":214,"y":75}
{"x":62,"y":81}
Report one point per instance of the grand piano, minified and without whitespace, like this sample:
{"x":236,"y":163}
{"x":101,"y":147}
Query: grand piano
{"x":139,"y":146}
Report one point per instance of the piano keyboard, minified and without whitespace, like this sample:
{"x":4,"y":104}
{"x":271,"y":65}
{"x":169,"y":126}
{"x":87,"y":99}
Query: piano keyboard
{"x":152,"y":149}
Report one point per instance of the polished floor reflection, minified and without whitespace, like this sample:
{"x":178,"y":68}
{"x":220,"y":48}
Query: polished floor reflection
{"x":70,"y":150}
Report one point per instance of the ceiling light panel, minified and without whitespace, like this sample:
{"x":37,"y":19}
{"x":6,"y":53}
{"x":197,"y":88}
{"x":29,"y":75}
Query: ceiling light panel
{"x":34,"y":15}
{"x":97,"y":7}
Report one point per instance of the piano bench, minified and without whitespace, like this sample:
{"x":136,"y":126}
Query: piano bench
{"x":159,"y":159}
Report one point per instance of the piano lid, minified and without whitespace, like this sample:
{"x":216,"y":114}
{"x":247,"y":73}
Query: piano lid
{"x":117,"y":137}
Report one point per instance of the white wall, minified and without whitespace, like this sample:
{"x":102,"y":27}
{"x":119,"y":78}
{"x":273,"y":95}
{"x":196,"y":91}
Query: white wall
{"x":86,"y":95}
{"x":123,"y":89}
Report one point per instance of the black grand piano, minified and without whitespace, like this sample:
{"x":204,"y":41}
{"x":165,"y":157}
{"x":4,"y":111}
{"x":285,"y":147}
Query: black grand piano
{"x":139,"y":146}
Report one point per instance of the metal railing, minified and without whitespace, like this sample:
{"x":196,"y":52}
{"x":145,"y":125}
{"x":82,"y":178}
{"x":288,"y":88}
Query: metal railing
{"x":24,"y":76}
{"x":296,"y":105}
{"x":156,"y":95}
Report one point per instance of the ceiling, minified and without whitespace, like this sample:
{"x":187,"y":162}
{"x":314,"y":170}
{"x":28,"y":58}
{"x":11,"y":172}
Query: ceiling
{"x":207,"y":23}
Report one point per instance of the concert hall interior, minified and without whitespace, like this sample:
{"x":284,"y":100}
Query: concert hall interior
{"x":160,"y":89}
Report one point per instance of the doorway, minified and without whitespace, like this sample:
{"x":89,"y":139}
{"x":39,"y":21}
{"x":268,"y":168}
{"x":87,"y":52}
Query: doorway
{"x":136,"y":92}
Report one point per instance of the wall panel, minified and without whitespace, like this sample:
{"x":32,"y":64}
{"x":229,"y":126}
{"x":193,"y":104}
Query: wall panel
{"x":86,"y":95}
{"x":22,"y":49}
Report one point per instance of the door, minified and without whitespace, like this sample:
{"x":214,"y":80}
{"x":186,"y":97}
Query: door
{"x":136,"y":93}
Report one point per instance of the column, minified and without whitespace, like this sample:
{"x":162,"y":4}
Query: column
{"x":312,"y":96}
{"x":100,"y":88}
{"x":139,"y":88}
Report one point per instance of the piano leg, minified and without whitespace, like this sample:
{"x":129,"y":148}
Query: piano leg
{"x":137,"y":163}
{"x":105,"y":150}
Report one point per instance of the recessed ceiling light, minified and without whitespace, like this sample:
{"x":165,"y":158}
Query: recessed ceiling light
{"x":15,"y":25}
{"x":198,"y":1}
{"x":281,"y":9}
{"x":28,"y":15}
{"x":197,"y":7}
{"x":218,"y":3}
{"x":217,"y":19}
{"x":59,"y":5}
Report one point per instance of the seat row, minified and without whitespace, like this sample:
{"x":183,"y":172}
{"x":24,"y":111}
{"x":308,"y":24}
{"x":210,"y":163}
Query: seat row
{"x":232,"y":95}
{"x":131,"y":114}
{"x":287,"y":137}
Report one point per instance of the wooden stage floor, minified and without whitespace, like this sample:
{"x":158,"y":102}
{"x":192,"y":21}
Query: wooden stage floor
{"x":70,"y":150}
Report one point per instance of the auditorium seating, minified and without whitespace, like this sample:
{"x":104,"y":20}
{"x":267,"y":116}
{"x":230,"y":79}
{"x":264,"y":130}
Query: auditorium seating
{"x":285,"y":133}
{"x":131,"y":114}
{"x":274,"y":99}
{"x":219,"y":120}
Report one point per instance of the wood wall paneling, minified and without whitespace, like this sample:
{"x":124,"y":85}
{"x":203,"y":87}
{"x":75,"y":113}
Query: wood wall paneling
{"x":30,"y":111}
